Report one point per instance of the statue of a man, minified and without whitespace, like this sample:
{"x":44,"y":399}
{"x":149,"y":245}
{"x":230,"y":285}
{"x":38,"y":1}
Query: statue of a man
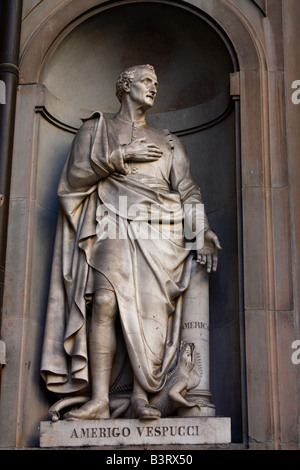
{"x":114,"y":310}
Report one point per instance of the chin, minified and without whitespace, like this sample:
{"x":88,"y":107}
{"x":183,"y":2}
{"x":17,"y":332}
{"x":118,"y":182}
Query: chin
{"x":149,"y":103}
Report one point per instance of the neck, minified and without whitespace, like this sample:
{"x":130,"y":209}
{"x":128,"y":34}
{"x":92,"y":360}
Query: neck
{"x":132,"y":113}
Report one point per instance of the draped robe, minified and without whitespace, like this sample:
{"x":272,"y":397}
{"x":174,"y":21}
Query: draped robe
{"x":148,"y":274}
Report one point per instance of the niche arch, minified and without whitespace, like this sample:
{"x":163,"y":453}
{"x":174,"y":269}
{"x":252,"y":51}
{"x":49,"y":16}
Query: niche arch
{"x":193,"y":64}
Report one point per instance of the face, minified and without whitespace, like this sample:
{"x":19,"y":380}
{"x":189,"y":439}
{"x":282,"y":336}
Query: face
{"x":143,"y":89}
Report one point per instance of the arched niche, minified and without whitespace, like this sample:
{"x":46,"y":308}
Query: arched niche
{"x":191,"y":61}
{"x":193,"y":65}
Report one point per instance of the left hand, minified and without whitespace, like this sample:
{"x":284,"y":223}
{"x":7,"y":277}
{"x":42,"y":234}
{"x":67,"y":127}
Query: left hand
{"x":208,"y":254}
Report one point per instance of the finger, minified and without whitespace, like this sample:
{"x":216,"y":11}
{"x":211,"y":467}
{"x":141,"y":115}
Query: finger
{"x":199,"y":258}
{"x":154,"y":154}
{"x":216,"y":242}
{"x":218,"y":246}
{"x":209,"y":264}
{"x":203,"y":260}
{"x":145,"y":158}
{"x":151,"y":144}
{"x":147,"y":152}
{"x":215,"y":263}
{"x":154,"y":148}
{"x":148,"y":159}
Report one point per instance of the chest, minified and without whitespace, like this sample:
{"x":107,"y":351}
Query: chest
{"x":157,"y":169}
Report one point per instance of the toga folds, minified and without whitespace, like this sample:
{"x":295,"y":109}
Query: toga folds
{"x":121,"y":224}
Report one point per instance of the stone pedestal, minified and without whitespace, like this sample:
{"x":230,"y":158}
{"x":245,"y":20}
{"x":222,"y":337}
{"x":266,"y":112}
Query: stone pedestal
{"x":132,"y":432}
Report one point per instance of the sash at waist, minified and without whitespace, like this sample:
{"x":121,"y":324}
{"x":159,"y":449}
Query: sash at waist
{"x":150,"y":181}
{"x":128,"y":194}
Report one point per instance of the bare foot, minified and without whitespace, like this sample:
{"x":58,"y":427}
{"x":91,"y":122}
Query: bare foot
{"x":142,"y":410}
{"x":93,"y":409}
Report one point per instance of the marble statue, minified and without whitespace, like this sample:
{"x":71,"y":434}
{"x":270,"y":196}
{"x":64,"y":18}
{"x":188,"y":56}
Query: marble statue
{"x":122,"y":265}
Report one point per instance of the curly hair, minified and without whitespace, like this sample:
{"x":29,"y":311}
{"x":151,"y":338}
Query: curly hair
{"x":127,"y":77}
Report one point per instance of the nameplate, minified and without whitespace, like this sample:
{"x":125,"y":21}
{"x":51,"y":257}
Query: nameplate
{"x":129,"y":432}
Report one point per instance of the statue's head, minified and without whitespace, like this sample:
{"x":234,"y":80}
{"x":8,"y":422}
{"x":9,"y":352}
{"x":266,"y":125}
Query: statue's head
{"x":129,"y":75}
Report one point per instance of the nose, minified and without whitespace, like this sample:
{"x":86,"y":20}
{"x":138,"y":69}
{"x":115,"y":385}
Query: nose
{"x":153,"y":88}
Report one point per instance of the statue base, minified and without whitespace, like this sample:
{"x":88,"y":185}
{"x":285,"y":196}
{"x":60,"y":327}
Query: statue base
{"x":192,"y":430}
{"x":203,"y":405}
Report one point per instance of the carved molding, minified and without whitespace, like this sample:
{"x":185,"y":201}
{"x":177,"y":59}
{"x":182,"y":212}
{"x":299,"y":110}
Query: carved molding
{"x":181,"y":122}
{"x":262,"y":5}
{"x":54,"y":121}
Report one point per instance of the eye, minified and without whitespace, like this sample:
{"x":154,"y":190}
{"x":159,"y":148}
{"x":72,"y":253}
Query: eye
{"x":148,"y":81}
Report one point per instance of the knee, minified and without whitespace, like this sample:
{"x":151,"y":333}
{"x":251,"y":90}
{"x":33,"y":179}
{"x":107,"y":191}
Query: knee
{"x":104,"y":304}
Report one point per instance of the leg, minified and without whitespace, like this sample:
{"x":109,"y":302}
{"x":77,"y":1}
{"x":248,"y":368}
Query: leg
{"x":102,"y":348}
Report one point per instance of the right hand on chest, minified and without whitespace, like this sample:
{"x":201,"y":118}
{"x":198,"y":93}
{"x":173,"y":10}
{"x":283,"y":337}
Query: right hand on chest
{"x":139,"y":150}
